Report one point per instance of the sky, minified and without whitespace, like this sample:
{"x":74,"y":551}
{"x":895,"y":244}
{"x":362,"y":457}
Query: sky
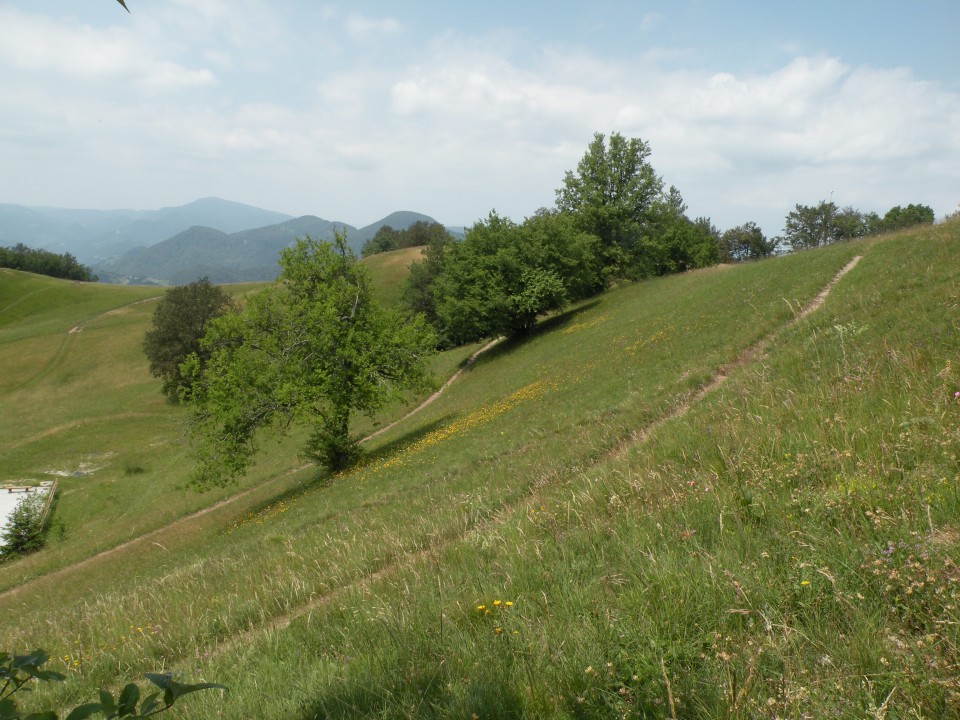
{"x":350,"y":111}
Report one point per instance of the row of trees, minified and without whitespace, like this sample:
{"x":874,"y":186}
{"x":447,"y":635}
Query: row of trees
{"x":822,"y":224}
{"x":419,"y":234}
{"x":44,"y":262}
{"x":613,"y":219}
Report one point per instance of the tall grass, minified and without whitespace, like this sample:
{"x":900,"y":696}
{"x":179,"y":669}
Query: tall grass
{"x":551,"y":538}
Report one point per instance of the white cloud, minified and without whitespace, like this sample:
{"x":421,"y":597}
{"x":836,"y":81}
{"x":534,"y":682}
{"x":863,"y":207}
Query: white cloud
{"x":35,"y":44}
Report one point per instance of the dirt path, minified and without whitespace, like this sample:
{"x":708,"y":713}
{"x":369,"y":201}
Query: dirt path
{"x":64,"y":347}
{"x":470,"y":361}
{"x":112,"y":311}
{"x":747,"y":356}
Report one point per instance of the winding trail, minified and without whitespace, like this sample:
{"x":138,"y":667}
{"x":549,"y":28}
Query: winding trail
{"x":64,"y":346}
{"x":745,"y":357}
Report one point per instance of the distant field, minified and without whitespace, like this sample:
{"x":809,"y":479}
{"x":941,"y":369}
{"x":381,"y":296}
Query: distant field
{"x":390,"y":269}
{"x":684,"y":498}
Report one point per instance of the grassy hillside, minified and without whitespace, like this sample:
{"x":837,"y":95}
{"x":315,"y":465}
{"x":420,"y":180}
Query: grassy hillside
{"x":682,"y":499}
{"x":390,"y":269}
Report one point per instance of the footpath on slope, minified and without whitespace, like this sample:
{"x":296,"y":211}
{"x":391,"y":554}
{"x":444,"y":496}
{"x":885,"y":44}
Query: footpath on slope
{"x":530,"y":497}
{"x":154,"y":534}
{"x":65,"y":346}
{"x":720,"y":376}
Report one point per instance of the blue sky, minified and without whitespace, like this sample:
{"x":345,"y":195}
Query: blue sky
{"x":351,"y":111}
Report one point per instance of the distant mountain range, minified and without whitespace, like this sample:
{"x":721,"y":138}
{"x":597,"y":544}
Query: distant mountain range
{"x":223,"y":240}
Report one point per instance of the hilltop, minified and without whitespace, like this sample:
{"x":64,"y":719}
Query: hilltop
{"x":726,"y":493}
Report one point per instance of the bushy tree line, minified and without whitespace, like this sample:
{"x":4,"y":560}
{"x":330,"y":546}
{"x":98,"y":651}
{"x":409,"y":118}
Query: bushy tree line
{"x":44,"y":262}
{"x":822,"y":224}
{"x":417,"y":235}
{"x":613,"y":219}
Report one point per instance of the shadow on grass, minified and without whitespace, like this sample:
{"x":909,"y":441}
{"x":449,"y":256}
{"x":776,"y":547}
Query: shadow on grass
{"x":420,"y":693}
{"x":547,"y":325}
{"x":404,"y":441}
{"x":321,"y":478}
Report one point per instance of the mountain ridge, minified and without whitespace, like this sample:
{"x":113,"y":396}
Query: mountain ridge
{"x":244,"y":256}
{"x":113,"y":241}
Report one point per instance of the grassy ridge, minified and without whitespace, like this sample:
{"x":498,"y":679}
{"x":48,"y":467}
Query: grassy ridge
{"x":785,"y":547}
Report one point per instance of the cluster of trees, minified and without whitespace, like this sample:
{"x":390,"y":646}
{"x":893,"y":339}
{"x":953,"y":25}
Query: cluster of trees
{"x":822,"y":224}
{"x":419,"y":234}
{"x":613,"y":219}
{"x":44,"y":262}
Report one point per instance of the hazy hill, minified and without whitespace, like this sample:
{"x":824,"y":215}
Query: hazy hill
{"x":203,"y":251}
{"x":114,"y":241}
{"x":94,"y":236}
{"x":223,"y":215}
{"x":38,"y":229}
{"x":249,"y":255}
{"x":400,"y":220}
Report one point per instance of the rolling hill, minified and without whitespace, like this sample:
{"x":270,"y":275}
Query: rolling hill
{"x":96,"y":235}
{"x":729,"y":493}
{"x":246,"y":256}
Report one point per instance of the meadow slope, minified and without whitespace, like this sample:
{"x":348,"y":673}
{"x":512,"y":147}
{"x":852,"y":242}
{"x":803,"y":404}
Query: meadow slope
{"x":685,"y":498}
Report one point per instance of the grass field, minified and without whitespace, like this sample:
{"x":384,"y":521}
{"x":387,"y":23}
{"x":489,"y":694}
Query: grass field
{"x":676,"y":500}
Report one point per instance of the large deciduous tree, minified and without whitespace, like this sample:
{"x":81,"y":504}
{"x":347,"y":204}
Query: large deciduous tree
{"x":814,"y":226}
{"x":179,"y":322}
{"x":311,"y":349}
{"x":612,"y":193}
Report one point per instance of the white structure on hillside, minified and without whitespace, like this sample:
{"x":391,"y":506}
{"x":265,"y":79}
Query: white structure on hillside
{"x":11,"y":495}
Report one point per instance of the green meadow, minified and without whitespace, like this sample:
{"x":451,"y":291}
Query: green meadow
{"x":684,"y":498}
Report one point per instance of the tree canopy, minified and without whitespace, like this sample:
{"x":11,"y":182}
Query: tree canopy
{"x":814,"y":226}
{"x":612,"y":194}
{"x":312,"y":348}
{"x":502,"y":276}
{"x":747,"y":242}
{"x":179,"y":323}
